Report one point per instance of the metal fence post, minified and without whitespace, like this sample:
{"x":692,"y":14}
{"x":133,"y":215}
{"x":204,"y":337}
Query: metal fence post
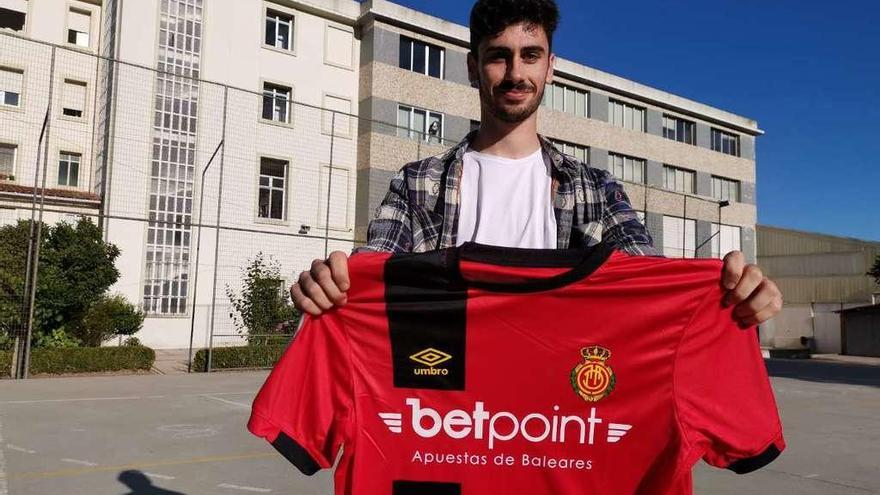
{"x":329,"y":183}
{"x":195,"y":286}
{"x":217,"y":235}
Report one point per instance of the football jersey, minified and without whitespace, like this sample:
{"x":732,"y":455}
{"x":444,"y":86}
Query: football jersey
{"x":480,"y":370}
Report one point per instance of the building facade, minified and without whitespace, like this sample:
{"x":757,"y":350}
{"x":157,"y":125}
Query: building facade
{"x":819,"y":275}
{"x":202,"y":133}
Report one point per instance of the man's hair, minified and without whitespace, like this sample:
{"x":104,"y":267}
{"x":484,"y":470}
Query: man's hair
{"x":490,"y":17}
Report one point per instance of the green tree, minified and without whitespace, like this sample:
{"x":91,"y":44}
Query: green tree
{"x":76,"y":267}
{"x":261,"y":309}
{"x":875,"y":270}
{"x":107,"y":317}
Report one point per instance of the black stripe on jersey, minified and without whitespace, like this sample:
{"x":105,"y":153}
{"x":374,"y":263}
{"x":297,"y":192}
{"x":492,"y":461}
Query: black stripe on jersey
{"x":401,"y":487}
{"x":426,"y":317}
{"x":750,"y":464}
{"x":296,"y":454}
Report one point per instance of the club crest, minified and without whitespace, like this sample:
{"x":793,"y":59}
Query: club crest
{"x":593,"y":379}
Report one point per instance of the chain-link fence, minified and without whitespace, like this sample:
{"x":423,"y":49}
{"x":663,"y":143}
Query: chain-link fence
{"x":215,"y":196}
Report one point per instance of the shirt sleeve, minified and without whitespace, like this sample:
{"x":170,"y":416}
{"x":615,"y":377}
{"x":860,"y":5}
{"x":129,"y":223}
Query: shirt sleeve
{"x":621,"y":224}
{"x":305,"y":407}
{"x":724,"y":403}
{"x":389,"y":230}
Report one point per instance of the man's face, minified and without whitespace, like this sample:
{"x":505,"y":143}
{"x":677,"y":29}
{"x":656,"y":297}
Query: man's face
{"x":512,"y":70}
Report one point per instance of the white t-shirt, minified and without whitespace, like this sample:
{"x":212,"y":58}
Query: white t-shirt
{"x":506,"y":202}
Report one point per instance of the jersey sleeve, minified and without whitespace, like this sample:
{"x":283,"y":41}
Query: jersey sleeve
{"x":304,"y":409}
{"x":724,"y":403}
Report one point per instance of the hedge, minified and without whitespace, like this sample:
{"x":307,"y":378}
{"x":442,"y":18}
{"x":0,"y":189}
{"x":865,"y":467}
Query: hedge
{"x":248,"y":356}
{"x":85,"y":359}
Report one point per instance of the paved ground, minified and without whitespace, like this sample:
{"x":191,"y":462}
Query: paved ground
{"x":184,"y":434}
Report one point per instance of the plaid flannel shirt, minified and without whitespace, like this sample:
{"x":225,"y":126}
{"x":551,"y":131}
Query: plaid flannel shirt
{"x":421,"y":209}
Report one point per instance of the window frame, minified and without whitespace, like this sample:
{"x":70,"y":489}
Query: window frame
{"x":723,"y":138}
{"x":685,"y":172}
{"x":328,"y":25}
{"x":322,"y":202}
{"x":716,"y":239}
{"x":683,"y":250}
{"x":290,"y":103}
{"x":294,"y":26}
{"x":627,"y":106}
{"x":689,"y":125}
{"x":82,"y":9}
{"x":724,"y":183}
{"x":548,"y":100}
{"x":563,"y":147}
{"x":27,"y":16}
{"x":644,"y":163}
{"x":412,"y":41}
{"x":285,"y":198}
{"x":20,"y":105}
{"x":425,"y":137}
{"x":64,"y":82}
{"x":61,"y":161}
{"x":15,"y":147}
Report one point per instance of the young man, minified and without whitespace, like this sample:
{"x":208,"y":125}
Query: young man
{"x":505,"y":185}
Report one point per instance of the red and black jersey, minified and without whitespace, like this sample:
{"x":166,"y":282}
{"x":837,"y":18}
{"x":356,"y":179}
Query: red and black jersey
{"x":485,"y":370}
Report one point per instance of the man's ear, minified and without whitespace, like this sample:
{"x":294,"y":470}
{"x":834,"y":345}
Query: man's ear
{"x":473,"y":70}
{"x":549,"y":78}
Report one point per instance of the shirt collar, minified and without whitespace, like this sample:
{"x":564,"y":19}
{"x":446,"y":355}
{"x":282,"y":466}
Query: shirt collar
{"x":560,"y":162}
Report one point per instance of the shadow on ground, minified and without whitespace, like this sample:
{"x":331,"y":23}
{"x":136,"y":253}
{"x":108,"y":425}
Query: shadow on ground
{"x":140,"y":484}
{"x":824,"y":372}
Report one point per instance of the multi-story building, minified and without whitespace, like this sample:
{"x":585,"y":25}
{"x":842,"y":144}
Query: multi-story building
{"x":200,"y":133}
{"x":46,"y":114}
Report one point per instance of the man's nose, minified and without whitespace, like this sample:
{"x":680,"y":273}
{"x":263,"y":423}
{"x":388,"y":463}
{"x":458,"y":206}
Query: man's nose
{"x":514,"y":67}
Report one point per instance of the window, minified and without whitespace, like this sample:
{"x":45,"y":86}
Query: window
{"x":338,"y":186}
{"x":7,"y":161}
{"x":421,"y":57}
{"x":416,"y":123}
{"x":582,"y":153}
{"x":10,"y":87}
{"x":279,"y":29}
{"x":566,"y":99}
{"x":68,"y":169}
{"x":79,"y":25}
{"x":273,"y":184}
{"x":679,"y":237}
{"x":679,"y":179}
{"x":726,"y":241}
{"x":626,"y":167}
{"x":677,"y":129}
{"x":725,"y":142}
{"x":725,"y":189}
{"x":13,"y":14}
{"x":73,"y":98}
{"x":276,"y":102}
{"x":624,"y":115}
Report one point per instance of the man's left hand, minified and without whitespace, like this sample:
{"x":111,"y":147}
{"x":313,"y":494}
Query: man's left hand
{"x":757,"y":298}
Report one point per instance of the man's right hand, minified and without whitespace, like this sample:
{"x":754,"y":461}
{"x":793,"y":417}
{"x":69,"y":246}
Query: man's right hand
{"x":322,"y":287}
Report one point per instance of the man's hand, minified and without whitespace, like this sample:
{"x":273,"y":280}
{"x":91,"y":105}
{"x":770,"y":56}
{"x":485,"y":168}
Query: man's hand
{"x":322,"y":287}
{"x":756,"y":297}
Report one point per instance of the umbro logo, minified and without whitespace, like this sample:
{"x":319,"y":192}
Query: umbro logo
{"x":430,"y":357}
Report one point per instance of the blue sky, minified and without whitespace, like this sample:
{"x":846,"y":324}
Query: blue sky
{"x":808,"y":71}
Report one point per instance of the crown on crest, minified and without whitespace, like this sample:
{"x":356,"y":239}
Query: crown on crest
{"x":595,"y":353}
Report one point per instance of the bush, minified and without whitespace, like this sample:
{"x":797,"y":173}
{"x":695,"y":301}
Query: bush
{"x":75,"y":268}
{"x":85,"y":359}
{"x":249,"y":356}
{"x":261,"y":310}
{"x":109,"y":316}
{"x":58,"y":339}
{"x":131,"y":341}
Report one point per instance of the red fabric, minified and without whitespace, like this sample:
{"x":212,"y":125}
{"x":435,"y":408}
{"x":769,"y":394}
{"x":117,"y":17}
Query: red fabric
{"x":688,"y":384}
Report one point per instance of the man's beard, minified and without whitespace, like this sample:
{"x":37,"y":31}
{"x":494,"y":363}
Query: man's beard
{"x":511,"y":115}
